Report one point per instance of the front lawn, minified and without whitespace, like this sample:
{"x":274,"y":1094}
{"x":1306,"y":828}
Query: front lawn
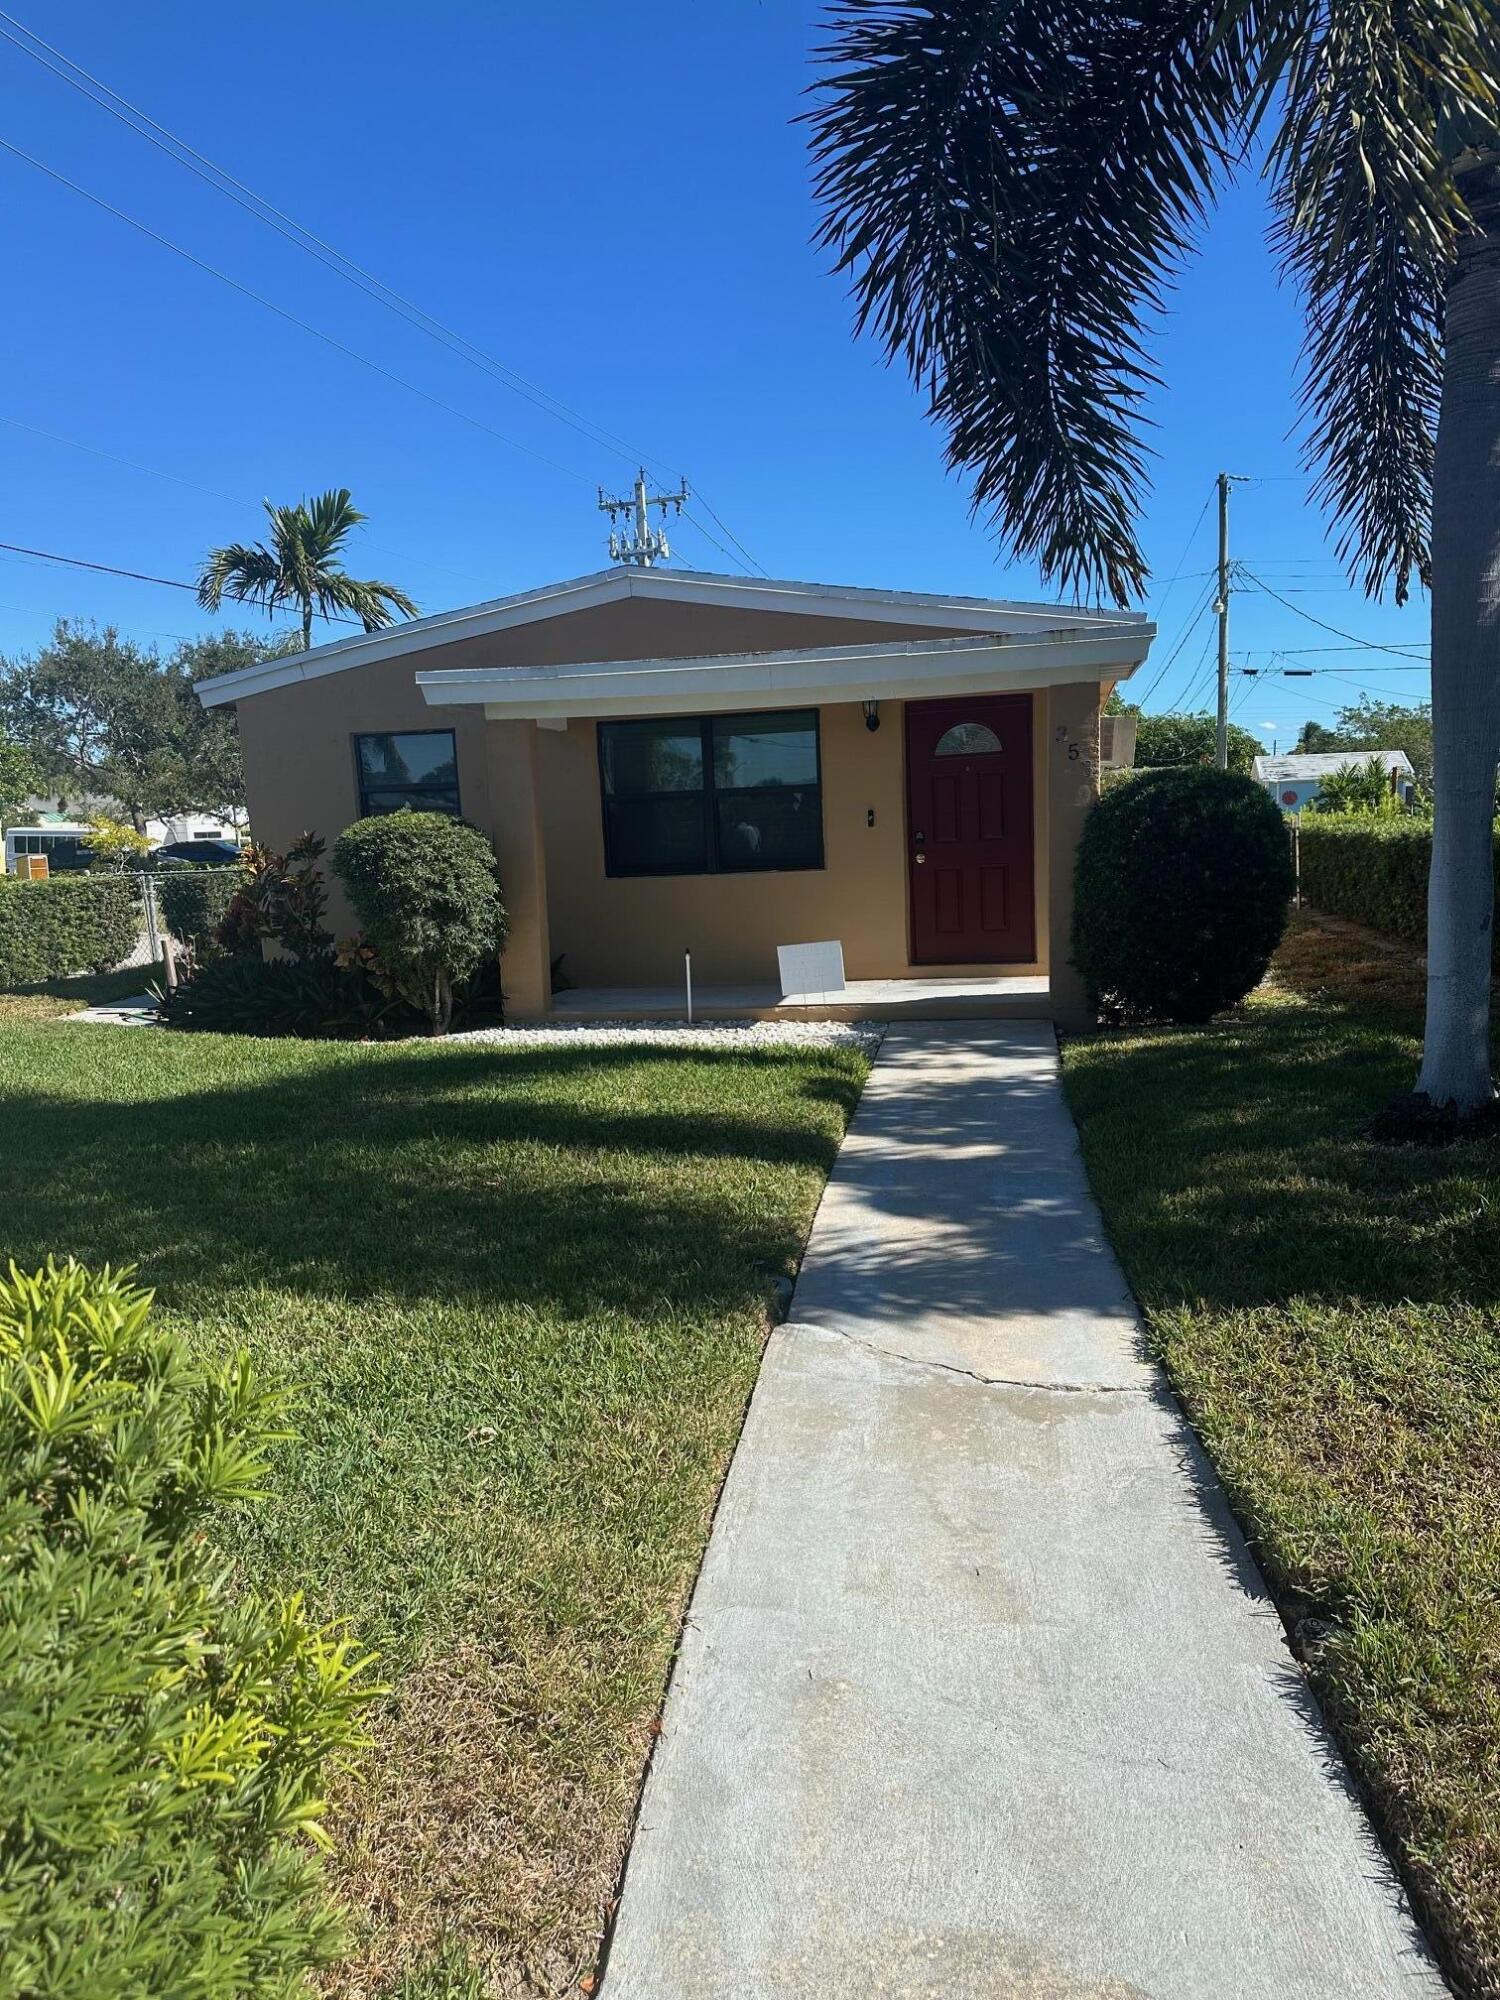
{"x":524,"y":1292}
{"x":1329,"y":1311}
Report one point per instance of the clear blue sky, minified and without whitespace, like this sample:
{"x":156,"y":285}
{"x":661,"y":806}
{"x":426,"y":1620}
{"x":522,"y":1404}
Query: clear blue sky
{"x":615,"y":203}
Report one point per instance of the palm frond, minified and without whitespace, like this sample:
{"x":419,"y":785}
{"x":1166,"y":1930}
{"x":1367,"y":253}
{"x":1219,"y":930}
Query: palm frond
{"x":375,"y":604}
{"x":1368,"y":220}
{"x":1011,"y":189}
{"x":247,"y":573}
{"x":330,"y":518}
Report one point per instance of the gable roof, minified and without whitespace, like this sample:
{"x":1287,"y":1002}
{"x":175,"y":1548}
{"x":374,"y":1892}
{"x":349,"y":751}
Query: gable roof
{"x":960,"y":615}
{"x":1322,"y":763}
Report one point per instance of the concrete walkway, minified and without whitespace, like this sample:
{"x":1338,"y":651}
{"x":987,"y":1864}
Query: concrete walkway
{"x":980,"y":1693}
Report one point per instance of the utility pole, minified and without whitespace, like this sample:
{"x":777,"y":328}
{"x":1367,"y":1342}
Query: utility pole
{"x":1221,"y":747}
{"x":640,"y":543}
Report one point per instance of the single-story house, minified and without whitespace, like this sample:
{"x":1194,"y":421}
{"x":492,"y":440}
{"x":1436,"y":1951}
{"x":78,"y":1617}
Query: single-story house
{"x":1294,"y":782}
{"x":669,"y":761}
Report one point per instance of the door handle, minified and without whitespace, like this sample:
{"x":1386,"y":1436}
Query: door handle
{"x":918,"y":841}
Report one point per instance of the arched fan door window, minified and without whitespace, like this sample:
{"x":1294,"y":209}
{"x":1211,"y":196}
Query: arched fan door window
{"x":966,"y":739}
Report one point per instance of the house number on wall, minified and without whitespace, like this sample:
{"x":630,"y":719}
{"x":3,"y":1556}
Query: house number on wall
{"x":1074,"y":748}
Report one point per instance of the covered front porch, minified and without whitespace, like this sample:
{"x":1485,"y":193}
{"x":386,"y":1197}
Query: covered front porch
{"x":1017,"y":997}
{"x":918,"y":801}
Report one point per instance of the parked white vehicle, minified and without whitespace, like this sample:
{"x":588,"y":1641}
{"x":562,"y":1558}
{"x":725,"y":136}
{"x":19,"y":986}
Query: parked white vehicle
{"x":61,"y":843}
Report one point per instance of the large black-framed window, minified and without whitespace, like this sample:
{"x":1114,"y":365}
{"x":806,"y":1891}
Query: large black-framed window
{"x":712,"y":794}
{"x":407,"y":767}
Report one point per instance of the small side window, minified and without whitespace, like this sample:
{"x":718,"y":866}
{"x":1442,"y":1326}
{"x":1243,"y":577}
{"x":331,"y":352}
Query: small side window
{"x":415,"y":767}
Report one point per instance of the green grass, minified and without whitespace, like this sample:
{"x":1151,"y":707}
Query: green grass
{"x":1329,"y":1311}
{"x":524,"y":1295}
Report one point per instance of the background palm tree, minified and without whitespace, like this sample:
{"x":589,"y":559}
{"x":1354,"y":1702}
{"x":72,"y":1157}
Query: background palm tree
{"x":301,"y":566}
{"x":1011,"y":189}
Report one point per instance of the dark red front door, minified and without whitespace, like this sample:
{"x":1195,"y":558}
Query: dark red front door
{"x":968,"y":823}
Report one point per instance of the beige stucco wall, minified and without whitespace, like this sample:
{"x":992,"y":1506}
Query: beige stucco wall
{"x":517,"y":782}
{"x":298,"y":745}
{"x":634,"y":930}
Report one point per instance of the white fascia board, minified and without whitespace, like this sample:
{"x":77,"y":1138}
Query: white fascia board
{"x":610,"y":586}
{"x":911,"y":669}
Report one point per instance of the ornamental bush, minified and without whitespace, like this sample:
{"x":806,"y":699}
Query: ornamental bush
{"x":71,"y":923}
{"x":1181,"y":893}
{"x":194,"y":903}
{"x":167,"y":1741}
{"x":280,"y":899}
{"x":242,"y":993}
{"x":427,"y":894}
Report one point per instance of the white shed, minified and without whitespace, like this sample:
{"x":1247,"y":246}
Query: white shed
{"x":1294,"y":782}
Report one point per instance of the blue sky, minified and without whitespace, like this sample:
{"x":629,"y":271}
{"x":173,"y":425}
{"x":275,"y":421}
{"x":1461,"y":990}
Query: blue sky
{"x":615,"y":204}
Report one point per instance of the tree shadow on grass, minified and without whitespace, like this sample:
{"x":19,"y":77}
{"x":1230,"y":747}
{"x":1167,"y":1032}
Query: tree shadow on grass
{"x":544,"y":1178}
{"x":1234,"y":1162}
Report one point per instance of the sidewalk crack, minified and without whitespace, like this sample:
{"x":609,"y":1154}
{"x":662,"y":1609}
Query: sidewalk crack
{"x":973,"y":1374}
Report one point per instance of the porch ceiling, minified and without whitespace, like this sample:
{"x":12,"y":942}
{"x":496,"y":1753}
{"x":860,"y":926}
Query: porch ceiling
{"x":811,"y":676}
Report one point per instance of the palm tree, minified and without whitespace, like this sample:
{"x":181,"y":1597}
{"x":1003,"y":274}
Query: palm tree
{"x":1011,"y":190}
{"x":302,"y":567}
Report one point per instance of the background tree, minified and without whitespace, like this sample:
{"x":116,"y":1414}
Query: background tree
{"x":99,"y":717}
{"x":1379,"y":725}
{"x":302,"y":567}
{"x":1161,"y":740}
{"x":20,"y":780}
{"x":1012,"y":190}
{"x":1361,"y":788}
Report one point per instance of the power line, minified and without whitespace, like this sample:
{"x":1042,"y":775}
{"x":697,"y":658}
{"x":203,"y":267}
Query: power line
{"x":281,"y":312}
{"x":108,"y":569}
{"x":1182,"y":638}
{"x":339,"y":262}
{"x":196,"y":486}
{"x":1370,"y":645}
{"x":1172,"y":580}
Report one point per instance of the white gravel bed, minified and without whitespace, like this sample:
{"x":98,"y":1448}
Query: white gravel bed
{"x":684,"y":1035}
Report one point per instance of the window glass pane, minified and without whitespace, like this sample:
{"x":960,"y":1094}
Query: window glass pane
{"x":389,"y":799}
{"x":780,"y":827}
{"x":416,"y":768}
{"x":967,"y":739}
{"x":419,"y":757}
{"x":645,"y":757}
{"x":661,"y":836}
{"x":752,"y":750}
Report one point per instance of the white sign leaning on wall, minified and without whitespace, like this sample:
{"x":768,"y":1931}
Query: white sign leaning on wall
{"x":814,"y":970}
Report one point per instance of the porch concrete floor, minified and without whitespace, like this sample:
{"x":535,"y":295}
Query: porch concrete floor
{"x":914,"y":999}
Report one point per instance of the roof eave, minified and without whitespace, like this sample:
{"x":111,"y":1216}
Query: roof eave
{"x":810,"y":600}
{"x":811,"y":676}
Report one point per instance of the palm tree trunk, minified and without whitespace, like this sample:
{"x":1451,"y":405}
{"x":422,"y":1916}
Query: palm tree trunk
{"x":307,"y":628}
{"x":1456,"y":1069}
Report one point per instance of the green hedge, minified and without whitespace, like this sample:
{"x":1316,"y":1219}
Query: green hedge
{"x":1372,"y":871}
{"x":194,"y":901}
{"x":77,"y":923}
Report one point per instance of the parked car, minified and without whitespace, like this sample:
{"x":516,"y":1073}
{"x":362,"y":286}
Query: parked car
{"x":200,"y":853}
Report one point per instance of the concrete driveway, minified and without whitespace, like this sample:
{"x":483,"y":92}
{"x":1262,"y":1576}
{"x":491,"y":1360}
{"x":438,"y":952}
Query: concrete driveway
{"x":980,"y":1692}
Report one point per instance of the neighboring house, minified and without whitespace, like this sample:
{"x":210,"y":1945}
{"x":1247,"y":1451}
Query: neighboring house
{"x":1294,"y":782}
{"x":1297,"y":781}
{"x":670,"y":761}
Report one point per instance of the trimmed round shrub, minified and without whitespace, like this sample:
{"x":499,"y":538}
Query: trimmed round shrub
{"x":427,"y":894}
{"x":1181,"y":894}
{"x":169,"y":1737}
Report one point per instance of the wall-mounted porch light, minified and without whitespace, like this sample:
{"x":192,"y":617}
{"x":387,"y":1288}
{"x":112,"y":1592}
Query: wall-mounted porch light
{"x":872,"y":715}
